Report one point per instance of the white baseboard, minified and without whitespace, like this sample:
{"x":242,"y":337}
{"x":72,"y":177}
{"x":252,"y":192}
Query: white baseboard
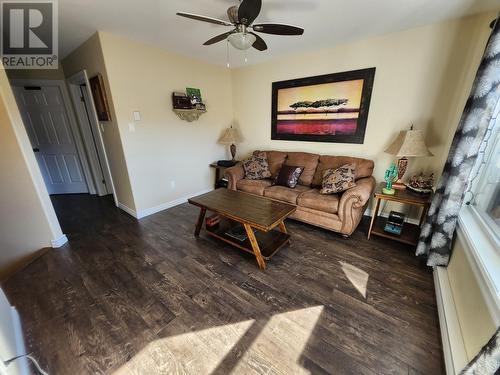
{"x":369,"y":212}
{"x":167,"y":205}
{"x":58,"y":242}
{"x":128,"y":210}
{"x":455,"y":355}
{"x":164,"y":206}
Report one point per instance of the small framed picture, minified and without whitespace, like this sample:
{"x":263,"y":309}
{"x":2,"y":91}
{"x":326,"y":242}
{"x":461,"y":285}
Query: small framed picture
{"x":100,"y":98}
{"x":194,"y":94}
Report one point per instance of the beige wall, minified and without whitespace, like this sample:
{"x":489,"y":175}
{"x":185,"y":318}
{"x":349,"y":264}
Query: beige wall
{"x":36,"y":73}
{"x":27,"y":219}
{"x":167,"y":158}
{"x":476,"y":324}
{"x":423,"y":77}
{"x":89,"y":56}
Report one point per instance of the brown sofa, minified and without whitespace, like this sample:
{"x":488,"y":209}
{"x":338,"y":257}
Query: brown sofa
{"x":338,"y":212}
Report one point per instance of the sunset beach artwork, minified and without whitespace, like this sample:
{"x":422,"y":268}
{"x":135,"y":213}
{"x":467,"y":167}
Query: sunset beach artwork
{"x":331,"y":108}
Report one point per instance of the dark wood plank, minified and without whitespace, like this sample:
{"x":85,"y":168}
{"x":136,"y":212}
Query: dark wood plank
{"x":122,"y":285}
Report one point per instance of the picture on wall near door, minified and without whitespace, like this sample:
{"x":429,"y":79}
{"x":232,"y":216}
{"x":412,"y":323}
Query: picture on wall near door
{"x":327,"y":108}
{"x":100,"y":99}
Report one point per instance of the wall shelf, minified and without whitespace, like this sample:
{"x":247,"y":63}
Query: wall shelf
{"x":189,"y":115}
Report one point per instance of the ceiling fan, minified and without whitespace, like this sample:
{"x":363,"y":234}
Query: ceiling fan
{"x":241,"y":18}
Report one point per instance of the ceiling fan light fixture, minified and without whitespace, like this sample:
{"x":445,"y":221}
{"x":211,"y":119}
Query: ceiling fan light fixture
{"x":242,"y":40}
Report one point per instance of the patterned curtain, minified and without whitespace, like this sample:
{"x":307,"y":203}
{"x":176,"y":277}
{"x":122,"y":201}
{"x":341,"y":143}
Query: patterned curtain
{"x":437,"y":233}
{"x":487,"y":361}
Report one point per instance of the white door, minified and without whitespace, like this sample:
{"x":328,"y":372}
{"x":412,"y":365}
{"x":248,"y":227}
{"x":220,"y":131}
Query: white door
{"x":47,"y":123}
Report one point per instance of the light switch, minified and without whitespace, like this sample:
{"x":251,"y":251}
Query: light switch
{"x":131,"y":127}
{"x":137,"y":116}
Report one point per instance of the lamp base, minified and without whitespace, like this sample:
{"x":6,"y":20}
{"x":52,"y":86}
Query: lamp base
{"x":399,"y":185}
{"x":402,"y":166}
{"x":233,"y":150}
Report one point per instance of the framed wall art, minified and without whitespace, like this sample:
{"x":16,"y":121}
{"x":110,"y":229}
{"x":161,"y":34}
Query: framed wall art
{"x":100,"y":98}
{"x":327,"y":108}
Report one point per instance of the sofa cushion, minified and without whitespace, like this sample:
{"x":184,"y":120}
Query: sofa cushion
{"x":306,"y":160}
{"x":253,"y":186}
{"x":285,"y":194}
{"x":338,"y":180}
{"x":257,"y":167}
{"x":275,"y":159}
{"x":313,"y":199}
{"x":288,"y":176}
{"x":364,"y":167}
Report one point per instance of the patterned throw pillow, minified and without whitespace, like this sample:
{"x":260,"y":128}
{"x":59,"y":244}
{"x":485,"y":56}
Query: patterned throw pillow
{"x":338,"y":180}
{"x":288,"y":176}
{"x":256,"y":167}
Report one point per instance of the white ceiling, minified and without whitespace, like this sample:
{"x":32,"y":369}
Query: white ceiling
{"x":326,"y":22}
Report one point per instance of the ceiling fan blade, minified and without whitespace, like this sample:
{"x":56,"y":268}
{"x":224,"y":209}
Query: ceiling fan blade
{"x":259,"y":43}
{"x":278,"y":29}
{"x":232,"y":14}
{"x":197,"y":17}
{"x":248,"y":11}
{"x":217,"y":38}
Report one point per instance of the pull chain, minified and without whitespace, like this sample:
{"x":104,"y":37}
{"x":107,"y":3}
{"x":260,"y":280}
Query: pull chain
{"x":227,"y":54}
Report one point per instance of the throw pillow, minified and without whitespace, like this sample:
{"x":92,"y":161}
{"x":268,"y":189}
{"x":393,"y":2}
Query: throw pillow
{"x":256,"y":167}
{"x":338,"y":180}
{"x":288,"y":176}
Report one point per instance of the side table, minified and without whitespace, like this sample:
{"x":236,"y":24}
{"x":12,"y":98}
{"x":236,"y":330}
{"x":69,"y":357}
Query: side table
{"x":219,"y":174}
{"x":410,"y":232}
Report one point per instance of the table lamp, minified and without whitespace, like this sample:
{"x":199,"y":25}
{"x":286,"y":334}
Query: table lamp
{"x":409,"y":143}
{"x":230,"y":137}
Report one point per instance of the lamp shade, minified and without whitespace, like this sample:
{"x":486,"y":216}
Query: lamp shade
{"x":230,"y":137}
{"x":409,"y":143}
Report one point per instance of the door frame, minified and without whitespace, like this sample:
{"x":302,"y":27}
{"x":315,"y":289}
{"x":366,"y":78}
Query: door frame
{"x":96,"y":149}
{"x":61,"y":84}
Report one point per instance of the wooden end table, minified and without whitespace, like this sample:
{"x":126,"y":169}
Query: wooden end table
{"x":410,"y":232}
{"x":219,"y":173}
{"x":250,"y":211}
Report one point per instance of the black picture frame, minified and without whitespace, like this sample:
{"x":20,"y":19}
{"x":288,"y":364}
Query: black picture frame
{"x":100,"y":98}
{"x":368,"y":77}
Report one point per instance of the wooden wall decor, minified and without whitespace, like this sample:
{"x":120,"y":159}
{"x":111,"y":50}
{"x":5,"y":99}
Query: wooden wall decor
{"x":100,"y":98}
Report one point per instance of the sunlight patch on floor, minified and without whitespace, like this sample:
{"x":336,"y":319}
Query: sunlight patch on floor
{"x":276,"y":350}
{"x":357,"y":277}
{"x":198,"y":352}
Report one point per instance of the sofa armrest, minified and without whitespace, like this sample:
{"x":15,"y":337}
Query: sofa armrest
{"x":353,"y":202}
{"x":233,"y":175}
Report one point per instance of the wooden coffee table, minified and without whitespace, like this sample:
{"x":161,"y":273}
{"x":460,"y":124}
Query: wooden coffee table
{"x":252,"y":212}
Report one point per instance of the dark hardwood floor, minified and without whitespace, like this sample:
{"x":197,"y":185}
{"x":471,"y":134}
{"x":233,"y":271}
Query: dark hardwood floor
{"x":130,"y":293}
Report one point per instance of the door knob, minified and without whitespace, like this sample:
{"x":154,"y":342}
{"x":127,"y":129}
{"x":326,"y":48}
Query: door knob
{"x":36,"y":150}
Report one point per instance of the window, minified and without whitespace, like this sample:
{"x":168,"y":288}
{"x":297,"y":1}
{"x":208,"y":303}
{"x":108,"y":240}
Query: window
{"x":479,"y":220}
{"x":485,"y":178}
{"x":487,"y":191}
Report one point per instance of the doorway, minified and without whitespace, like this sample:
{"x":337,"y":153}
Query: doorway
{"x":66,"y":139}
{"x":91,"y":131}
{"x":53,"y":137}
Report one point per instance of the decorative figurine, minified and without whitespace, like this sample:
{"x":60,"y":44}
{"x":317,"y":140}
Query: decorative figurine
{"x":389,"y":177}
{"x":421,"y":184}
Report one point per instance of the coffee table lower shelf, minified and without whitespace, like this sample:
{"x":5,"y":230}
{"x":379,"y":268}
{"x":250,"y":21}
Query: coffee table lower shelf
{"x":269,"y":242}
